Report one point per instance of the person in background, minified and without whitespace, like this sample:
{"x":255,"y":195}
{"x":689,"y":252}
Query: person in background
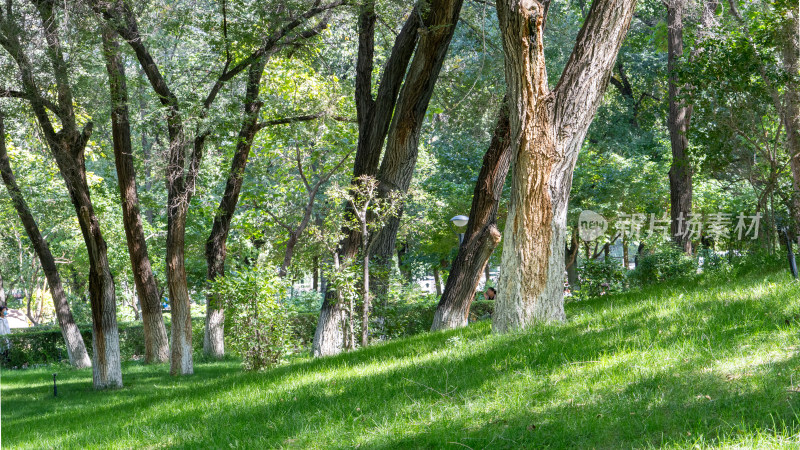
{"x":4,"y":328}
{"x":490,"y":293}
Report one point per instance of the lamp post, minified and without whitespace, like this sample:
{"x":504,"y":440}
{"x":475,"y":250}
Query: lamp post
{"x":460,"y":221}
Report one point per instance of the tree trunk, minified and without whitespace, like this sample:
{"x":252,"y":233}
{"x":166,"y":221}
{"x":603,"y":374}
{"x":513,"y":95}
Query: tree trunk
{"x":547,"y":131}
{"x":67,"y":147}
{"x":2,"y":285}
{"x":792,"y":106}
{"x":156,"y":345}
{"x":314,"y":276}
{"x":571,"y":260}
{"x":365,"y":292}
{"x":625,"y":251}
{"x":482,"y":235}
{"x":216,"y":249}
{"x":374,"y":115}
{"x":437,"y":281}
{"x":397,"y":166}
{"x":680,"y":172}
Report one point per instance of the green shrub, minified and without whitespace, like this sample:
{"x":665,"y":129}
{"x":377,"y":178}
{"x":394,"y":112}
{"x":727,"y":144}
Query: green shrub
{"x":258,"y":325}
{"x":600,"y":277}
{"x":45,"y":345}
{"x":666,"y":262}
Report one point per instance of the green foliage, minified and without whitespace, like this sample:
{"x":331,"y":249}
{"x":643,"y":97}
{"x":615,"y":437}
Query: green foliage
{"x":257,"y":324}
{"x":45,"y":344}
{"x":600,"y":277}
{"x":665,"y":262}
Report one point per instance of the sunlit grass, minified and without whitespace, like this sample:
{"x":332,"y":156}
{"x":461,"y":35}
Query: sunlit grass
{"x":712,"y":363}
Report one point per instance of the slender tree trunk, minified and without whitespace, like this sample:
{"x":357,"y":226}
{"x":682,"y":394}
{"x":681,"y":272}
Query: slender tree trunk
{"x":156,"y":345}
{"x":365,"y":292}
{"x":397,"y":166}
{"x":2,"y":285}
{"x":482,"y":234}
{"x":680,"y":172}
{"x":437,"y":281}
{"x":216,"y":249}
{"x":571,"y":260}
{"x":374,"y":115}
{"x":314,"y":277}
{"x":547,"y":131}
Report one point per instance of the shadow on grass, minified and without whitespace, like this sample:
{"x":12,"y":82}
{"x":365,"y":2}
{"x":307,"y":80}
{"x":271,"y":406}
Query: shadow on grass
{"x":572,"y":384}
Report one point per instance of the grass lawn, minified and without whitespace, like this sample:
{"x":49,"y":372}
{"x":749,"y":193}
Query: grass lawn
{"x":707,"y":363}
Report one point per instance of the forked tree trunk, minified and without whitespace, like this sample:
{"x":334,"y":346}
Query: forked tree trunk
{"x":680,"y":172}
{"x":76,"y":349}
{"x":402,"y":144}
{"x":374,"y":116}
{"x":547,"y":131}
{"x":216,"y":248}
{"x":156,"y":345}
{"x":482,"y":235}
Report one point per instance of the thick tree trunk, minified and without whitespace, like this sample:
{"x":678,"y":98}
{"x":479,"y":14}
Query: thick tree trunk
{"x":374,"y":116}
{"x":680,"y":172}
{"x":792,"y":106}
{"x":156,"y":345}
{"x":216,"y":249}
{"x":547,"y":131}
{"x":397,"y":167}
{"x":482,"y":234}
{"x":76,"y":349}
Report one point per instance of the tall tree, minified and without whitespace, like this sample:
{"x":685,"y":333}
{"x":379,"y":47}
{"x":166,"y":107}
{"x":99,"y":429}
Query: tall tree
{"x":67,"y":147}
{"x":482,"y":235}
{"x":374,"y":115}
{"x":439,"y":19}
{"x":156,"y":345}
{"x":680,"y":112}
{"x":76,"y":349}
{"x":216,"y":251}
{"x":791,"y":94}
{"x":547,"y":129}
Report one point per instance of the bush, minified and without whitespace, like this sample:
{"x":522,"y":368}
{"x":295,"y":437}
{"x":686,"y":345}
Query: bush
{"x":258,"y":325}
{"x":666,"y":262}
{"x":600,"y":277}
{"x":45,"y":345}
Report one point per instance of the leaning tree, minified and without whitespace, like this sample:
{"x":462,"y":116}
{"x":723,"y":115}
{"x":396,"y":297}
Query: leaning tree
{"x":547,"y":129}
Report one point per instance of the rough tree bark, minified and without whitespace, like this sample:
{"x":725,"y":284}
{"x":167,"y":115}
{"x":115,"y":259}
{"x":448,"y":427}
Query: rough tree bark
{"x":76,"y":349}
{"x":680,"y":172}
{"x":374,"y":116}
{"x":156,"y":344}
{"x":547,"y":131}
{"x":482,"y":235}
{"x":439,"y":19}
{"x":67,"y":147}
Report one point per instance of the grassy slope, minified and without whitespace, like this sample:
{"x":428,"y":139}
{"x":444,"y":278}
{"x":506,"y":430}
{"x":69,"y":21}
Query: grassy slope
{"x":708,"y":364}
